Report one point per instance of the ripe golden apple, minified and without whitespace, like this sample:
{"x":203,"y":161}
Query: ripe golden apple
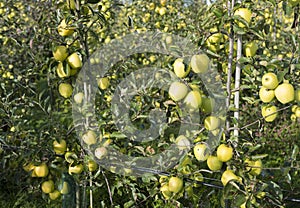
{"x":200,"y":63}
{"x":266,"y":95}
{"x":224,"y":153}
{"x":269,"y":81}
{"x":92,"y":165}
{"x":62,"y":71}
{"x":177,"y":91}
{"x":285,"y":93}
{"x":269,"y":113}
{"x":201,"y":152}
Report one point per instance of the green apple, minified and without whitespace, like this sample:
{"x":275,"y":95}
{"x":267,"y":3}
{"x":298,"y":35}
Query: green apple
{"x":250,"y":49}
{"x":177,"y":91}
{"x":182,"y":142}
{"x":211,"y":123}
{"x":285,"y":93}
{"x":214,"y":163}
{"x":200,"y":63}
{"x":266,"y":95}
{"x":201,"y":152}
{"x":269,"y":113}
{"x":245,"y":14}
{"x":193,"y":99}
{"x":224,"y":153}
{"x":269,"y":81}
{"x":179,"y":68}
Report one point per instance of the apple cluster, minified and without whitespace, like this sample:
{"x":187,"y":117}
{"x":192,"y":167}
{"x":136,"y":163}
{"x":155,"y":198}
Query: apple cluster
{"x":283,"y":92}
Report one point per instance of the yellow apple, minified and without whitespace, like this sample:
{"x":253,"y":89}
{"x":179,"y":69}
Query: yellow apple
{"x":177,"y":91}
{"x":74,"y":61}
{"x":78,"y":97}
{"x":269,"y":81}
{"x":269,"y":113}
{"x":60,"y":53}
{"x":60,"y":147}
{"x":245,"y":14}
{"x":214,"y":163}
{"x":250,"y":49}
{"x":182,"y":142}
{"x":175,"y":184}
{"x":41,"y":170}
{"x":297,"y":112}
{"x":193,"y":99}
{"x":207,"y":105}
{"x":64,"y":188}
{"x":201,"y":152}
{"x":63,"y":72}
{"x":100,"y":152}
{"x":103,"y":83}
{"x":255,"y":167}
{"x":211,"y":123}
{"x":285,"y":93}
{"x":179,"y":68}
{"x":54,"y":195}
{"x":165,"y":191}
{"x":77,"y":169}
{"x":47,"y":186}
{"x":266,"y":95}
{"x":224,"y":153}
{"x":65,"y":90}
{"x":90,"y":137}
{"x":162,"y":11}
{"x":200,"y":63}
{"x":227,"y":176}
{"x":65,"y":30}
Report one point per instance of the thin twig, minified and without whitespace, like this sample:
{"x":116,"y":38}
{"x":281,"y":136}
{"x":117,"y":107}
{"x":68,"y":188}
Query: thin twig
{"x":108,"y":188}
